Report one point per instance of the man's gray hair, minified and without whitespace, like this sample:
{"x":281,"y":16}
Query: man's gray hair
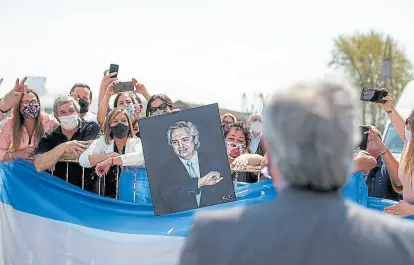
{"x":311,"y":132}
{"x":186,"y":125}
{"x":64,"y":100}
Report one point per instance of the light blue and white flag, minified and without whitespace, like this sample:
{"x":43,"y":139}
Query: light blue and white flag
{"x":46,"y":221}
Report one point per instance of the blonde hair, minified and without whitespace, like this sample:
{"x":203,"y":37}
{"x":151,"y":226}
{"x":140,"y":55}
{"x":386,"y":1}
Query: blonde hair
{"x":106,"y":129}
{"x":228,"y":115}
{"x":18,"y":121}
{"x":407,"y":161}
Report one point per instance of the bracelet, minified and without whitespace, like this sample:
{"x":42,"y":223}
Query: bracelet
{"x":388,"y":111}
{"x":385,"y":152}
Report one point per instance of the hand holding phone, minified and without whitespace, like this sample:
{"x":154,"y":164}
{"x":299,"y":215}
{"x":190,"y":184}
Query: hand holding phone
{"x":373,"y":95}
{"x":364,"y":137}
{"x":114,"y":68}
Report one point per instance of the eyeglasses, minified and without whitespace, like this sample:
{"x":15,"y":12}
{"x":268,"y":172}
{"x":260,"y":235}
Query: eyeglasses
{"x":27,"y":102}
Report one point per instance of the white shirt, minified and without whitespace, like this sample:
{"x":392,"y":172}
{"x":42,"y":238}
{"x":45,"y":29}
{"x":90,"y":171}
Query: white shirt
{"x":196,"y":166}
{"x":134,"y":155}
{"x":265,"y":172}
{"x":89,"y":116}
{"x":254,"y":144}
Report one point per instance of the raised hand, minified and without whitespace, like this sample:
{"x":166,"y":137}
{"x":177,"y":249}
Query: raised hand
{"x":110,"y":89}
{"x":389,"y":102}
{"x":374,"y":142}
{"x":107,"y":80}
{"x":20,"y":87}
{"x":12,"y":98}
{"x":139,"y":88}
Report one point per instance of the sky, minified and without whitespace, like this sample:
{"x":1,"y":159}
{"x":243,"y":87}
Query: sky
{"x":196,"y":51}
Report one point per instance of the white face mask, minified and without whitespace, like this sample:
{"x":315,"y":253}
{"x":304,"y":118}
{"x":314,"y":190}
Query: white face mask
{"x":408,"y":135}
{"x":256,"y":127}
{"x":69,"y":122}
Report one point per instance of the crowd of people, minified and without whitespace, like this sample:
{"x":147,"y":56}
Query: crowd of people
{"x":308,"y":144}
{"x":80,"y":147}
{"x":102,"y":144}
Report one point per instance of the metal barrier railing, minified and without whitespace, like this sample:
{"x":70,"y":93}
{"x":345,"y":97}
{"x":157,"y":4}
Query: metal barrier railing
{"x":102,"y":180}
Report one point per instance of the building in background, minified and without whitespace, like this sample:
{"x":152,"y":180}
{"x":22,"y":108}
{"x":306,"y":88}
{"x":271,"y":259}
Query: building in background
{"x":253,"y":103}
{"x":37,"y":83}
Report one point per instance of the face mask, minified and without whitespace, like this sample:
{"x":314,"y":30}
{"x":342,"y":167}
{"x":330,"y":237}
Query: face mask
{"x":30,"y":112}
{"x":69,"y":122}
{"x":84,"y":106}
{"x":256,"y":127}
{"x":158,"y":112}
{"x":120,"y":131}
{"x":131,"y":111}
{"x":235,"y":150}
{"x":408,"y":135}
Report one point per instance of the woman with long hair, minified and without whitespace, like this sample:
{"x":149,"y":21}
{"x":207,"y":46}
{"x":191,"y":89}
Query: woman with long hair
{"x":160,"y":104}
{"x":116,"y":148}
{"x":21,"y":133}
{"x":401,"y":173}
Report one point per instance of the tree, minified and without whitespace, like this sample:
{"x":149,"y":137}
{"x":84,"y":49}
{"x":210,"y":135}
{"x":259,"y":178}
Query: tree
{"x":361,"y":57}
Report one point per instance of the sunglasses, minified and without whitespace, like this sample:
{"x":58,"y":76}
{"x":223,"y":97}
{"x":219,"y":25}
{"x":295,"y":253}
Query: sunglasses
{"x":163,"y":106}
{"x":407,"y":121}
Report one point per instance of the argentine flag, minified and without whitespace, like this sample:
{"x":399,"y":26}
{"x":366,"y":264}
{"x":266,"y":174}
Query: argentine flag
{"x":46,"y":221}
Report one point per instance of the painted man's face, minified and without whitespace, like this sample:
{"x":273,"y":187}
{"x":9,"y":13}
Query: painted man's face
{"x":183,"y":143}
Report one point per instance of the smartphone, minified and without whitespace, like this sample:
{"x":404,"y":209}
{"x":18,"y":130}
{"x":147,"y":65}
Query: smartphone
{"x":373,"y":95}
{"x":114,"y":68}
{"x":364,"y":137}
{"x":124,"y":87}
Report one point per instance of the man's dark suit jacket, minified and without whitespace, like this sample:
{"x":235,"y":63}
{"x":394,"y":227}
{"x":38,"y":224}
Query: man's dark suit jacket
{"x":299,"y":227}
{"x":179,"y":191}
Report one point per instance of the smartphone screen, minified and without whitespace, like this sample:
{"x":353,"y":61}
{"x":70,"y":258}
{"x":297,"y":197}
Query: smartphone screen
{"x":114,"y":68}
{"x":364,"y":137}
{"x":124,"y":87}
{"x":373,"y":95}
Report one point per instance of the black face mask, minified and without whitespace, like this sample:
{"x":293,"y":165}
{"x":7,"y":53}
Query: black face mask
{"x":120,"y":131}
{"x":84,"y":106}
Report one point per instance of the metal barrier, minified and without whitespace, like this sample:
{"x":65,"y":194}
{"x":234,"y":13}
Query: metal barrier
{"x":102,"y":180}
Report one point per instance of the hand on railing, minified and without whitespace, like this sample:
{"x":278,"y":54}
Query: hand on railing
{"x":75,"y":148}
{"x":103,"y":167}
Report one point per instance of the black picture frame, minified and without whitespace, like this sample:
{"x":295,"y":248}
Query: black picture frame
{"x":172,"y":187}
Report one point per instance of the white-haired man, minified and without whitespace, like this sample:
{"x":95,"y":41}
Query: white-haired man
{"x":192,"y":183}
{"x":256,"y":130}
{"x":310,"y":138}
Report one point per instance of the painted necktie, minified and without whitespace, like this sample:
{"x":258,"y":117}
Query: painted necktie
{"x":193,"y":175}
